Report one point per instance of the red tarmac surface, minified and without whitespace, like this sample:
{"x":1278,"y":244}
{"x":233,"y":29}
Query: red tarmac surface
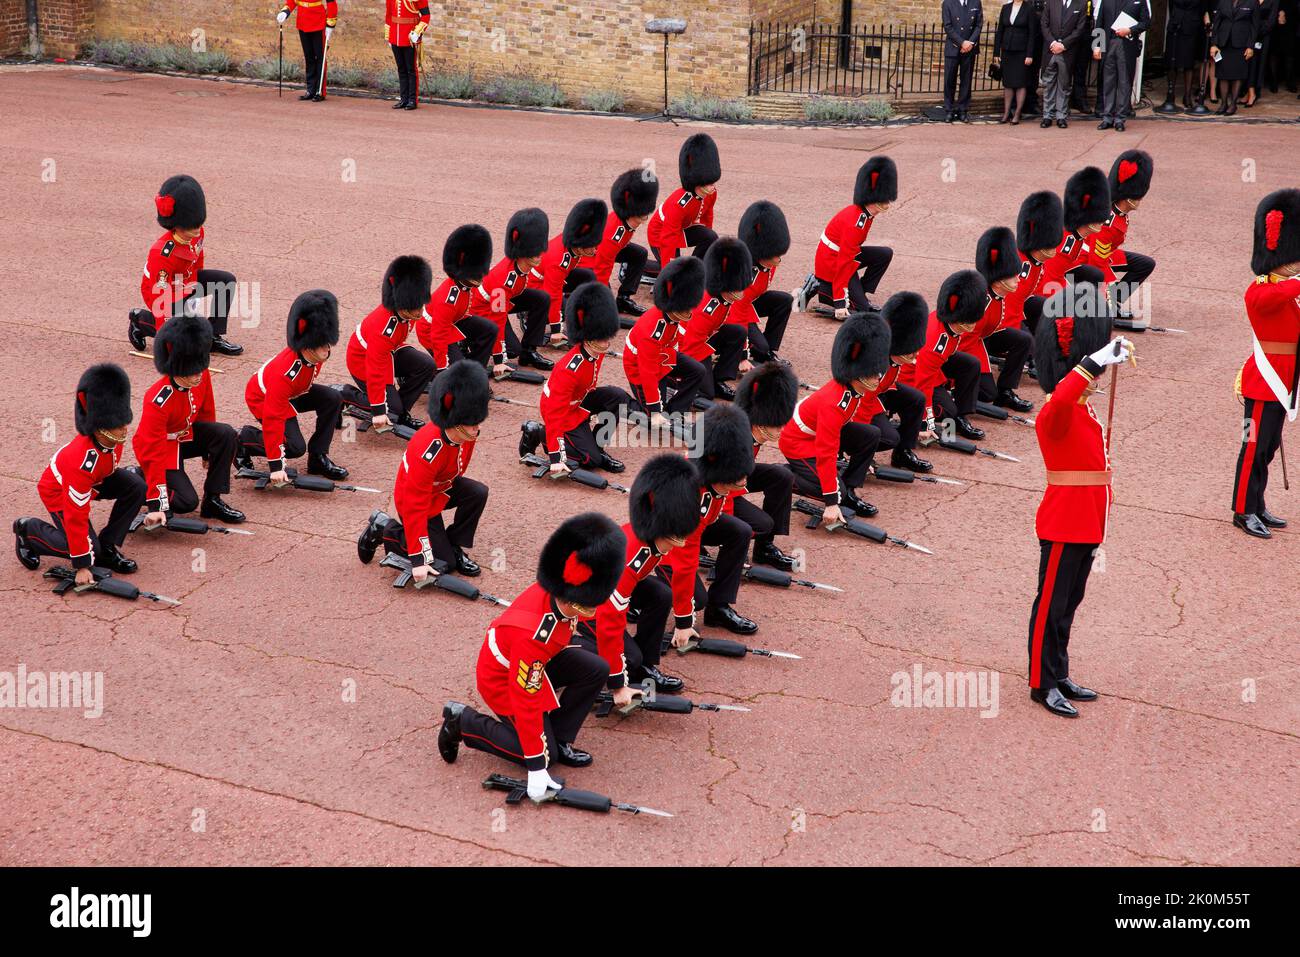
{"x":232,"y":703}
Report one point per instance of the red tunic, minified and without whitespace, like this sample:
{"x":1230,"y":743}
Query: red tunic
{"x":742,"y":310}
{"x":400,"y":18}
{"x":313,"y":15}
{"x":550,"y":275}
{"x":611,"y":617}
{"x":1070,"y":438}
{"x":927,"y":372}
{"x":813,"y":432}
{"x":993,"y":319}
{"x":684,"y":562}
{"x":492,"y":299}
{"x":837,"y":253}
{"x":617,"y":235}
{"x":170,"y":273}
{"x":680,"y":211}
{"x":1073,"y":251}
{"x":437,"y":329}
{"x":169,"y":413}
{"x":650,"y":352}
{"x":561,"y":404}
{"x":1031,"y":272}
{"x":68,"y":486}
{"x":707,"y":318}
{"x":370,"y":354}
{"x":871,"y":406}
{"x":1273,"y":308}
{"x":511,"y":670}
{"x":1107,"y":244}
{"x":268,"y":392}
{"x":420,"y":492}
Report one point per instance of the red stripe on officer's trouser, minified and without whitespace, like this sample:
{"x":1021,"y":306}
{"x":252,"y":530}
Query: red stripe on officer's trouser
{"x":493,"y":745}
{"x":1040,"y":620}
{"x":1247,"y":460}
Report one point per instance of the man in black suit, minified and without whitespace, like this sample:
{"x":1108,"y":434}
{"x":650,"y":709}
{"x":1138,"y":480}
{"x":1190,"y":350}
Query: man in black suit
{"x":1119,"y":57}
{"x":962,"y":21}
{"x":1063,"y":23}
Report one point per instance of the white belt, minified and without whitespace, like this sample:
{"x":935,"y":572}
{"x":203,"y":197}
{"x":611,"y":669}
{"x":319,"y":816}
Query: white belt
{"x":829,"y":243}
{"x":1274,"y":381}
{"x":628,"y":347}
{"x":799,"y":421}
{"x":54,"y":468}
{"x":546,"y":389}
{"x":496,"y":652}
{"x":360,"y":338}
{"x":261,"y":383}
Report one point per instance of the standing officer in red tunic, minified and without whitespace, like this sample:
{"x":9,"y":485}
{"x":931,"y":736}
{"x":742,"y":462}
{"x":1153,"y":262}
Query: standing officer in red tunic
{"x":652,"y":356}
{"x":83,"y":470}
{"x":662,"y":506}
{"x":558,"y":272}
{"x":685,"y":218}
{"x":1071,"y":350}
{"x":431,"y":479}
{"x":845,"y":270}
{"x":179,"y":422}
{"x":175,"y":281}
{"x":631,"y":201}
{"x":286,"y":385}
{"x":764,"y":232}
{"x":1268,"y":379}
{"x":504,"y":291}
{"x":539,"y":685}
{"x":316,"y":22}
{"x":447,"y":329}
{"x":404,"y":24}
{"x":1130,"y":181}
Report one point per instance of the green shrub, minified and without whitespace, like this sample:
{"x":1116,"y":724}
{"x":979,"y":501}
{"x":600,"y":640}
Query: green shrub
{"x":386,"y":80}
{"x":605,"y":101}
{"x":522,"y":91}
{"x":347,"y":77}
{"x":448,"y":86}
{"x":705,"y":107}
{"x":108,"y":51}
{"x":823,"y":109}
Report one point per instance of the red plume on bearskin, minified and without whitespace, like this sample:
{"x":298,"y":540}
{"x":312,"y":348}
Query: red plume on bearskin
{"x":665,"y":499}
{"x":1277,"y":231}
{"x":459,"y":395}
{"x":680,"y":285}
{"x":583,"y":559}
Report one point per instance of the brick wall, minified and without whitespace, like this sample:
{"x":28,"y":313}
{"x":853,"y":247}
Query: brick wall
{"x":13,"y":27}
{"x":64,"y":26}
{"x":582,"y":46}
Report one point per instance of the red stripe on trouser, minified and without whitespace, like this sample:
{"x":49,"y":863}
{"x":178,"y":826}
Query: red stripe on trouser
{"x":1247,"y":460}
{"x":1040,"y":620}
{"x":493,"y":745}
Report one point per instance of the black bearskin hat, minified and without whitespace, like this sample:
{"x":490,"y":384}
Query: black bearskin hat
{"x":861,"y":348}
{"x":183,"y":346}
{"x":585,"y":224}
{"x":877,"y":182}
{"x":727,"y":448}
{"x":1041,"y":224}
{"x":1277,"y":231}
{"x":527,"y":233}
{"x":907,"y":316}
{"x":467,"y":253}
{"x":181,"y":204}
{"x":408,"y":284}
{"x":583,"y":559}
{"x":590,"y":313}
{"x":1087,"y":198}
{"x":996,"y":256}
{"x":767,"y":394}
{"x":459,"y":395}
{"x":728,"y":266}
{"x":665,"y":499}
{"x":698,"y":163}
{"x":680,"y":285}
{"x":313,"y":321}
{"x":763,"y":229}
{"x":1130,"y":175}
{"x":962,"y":298}
{"x":103,"y":400}
{"x":634,"y":193}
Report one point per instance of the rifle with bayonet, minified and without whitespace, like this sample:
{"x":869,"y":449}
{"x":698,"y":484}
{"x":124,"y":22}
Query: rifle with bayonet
{"x":308,"y":483}
{"x":189,"y":526}
{"x":766,"y":575}
{"x":565,"y":797}
{"x":542,"y":469}
{"x":887,"y":473}
{"x":855,"y":526}
{"x":957,"y":444}
{"x":104,"y":582}
{"x":444,"y":581}
{"x":356,"y":407}
{"x":996,"y":412}
{"x":663,"y":703}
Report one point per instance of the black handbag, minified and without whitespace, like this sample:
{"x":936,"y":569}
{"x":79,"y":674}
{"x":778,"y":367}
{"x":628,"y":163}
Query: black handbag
{"x":994,"y":71}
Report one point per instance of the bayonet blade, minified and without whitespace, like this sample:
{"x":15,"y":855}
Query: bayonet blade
{"x":906,"y":544}
{"x":937,"y":479}
{"x":766,"y":653}
{"x":817,"y":585}
{"x":637,"y":809}
{"x":356,"y":488}
{"x":228,"y":531}
{"x":996,"y":455}
{"x":162,"y":598}
{"x":720,"y":707}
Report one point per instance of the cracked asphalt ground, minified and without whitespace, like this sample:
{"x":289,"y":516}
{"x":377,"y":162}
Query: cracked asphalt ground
{"x":231,"y":708}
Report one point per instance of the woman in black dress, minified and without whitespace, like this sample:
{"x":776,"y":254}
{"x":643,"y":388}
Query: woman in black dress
{"x":1267,"y":21}
{"x":1185,"y":43}
{"x":1014,"y":44}
{"x":1232,"y":40}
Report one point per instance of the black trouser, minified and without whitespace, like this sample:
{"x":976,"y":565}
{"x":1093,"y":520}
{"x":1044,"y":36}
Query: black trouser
{"x":776,"y":482}
{"x":577,"y":676}
{"x":1014,"y":346}
{"x":407,"y":78}
{"x":630,"y":262}
{"x":468,"y":498}
{"x":1261,"y":436}
{"x":687,"y":379}
{"x":217,"y":283}
{"x":699,"y":238}
{"x":728,"y":345}
{"x":958,"y":67}
{"x":533,"y":305}
{"x":873,"y":262}
{"x":480,"y":334}
{"x":652,"y":599}
{"x":775,"y":307}
{"x":124,"y":486}
{"x":413,"y":369}
{"x":731,"y":535}
{"x":580,"y":444}
{"x":313,"y":52}
{"x":1063,"y":569}
{"x":857,"y":440}
{"x":215,"y":443}
{"x":1131,"y":274}
{"x":1082,"y":64}
{"x":575,"y":278}
{"x":963,"y":371}
{"x":322,"y":400}
{"x":909,"y":405}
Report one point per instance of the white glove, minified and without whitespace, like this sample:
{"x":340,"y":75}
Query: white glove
{"x":538,"y":782}
{"x":1112,"y":353}
{"x":282,"y":16}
